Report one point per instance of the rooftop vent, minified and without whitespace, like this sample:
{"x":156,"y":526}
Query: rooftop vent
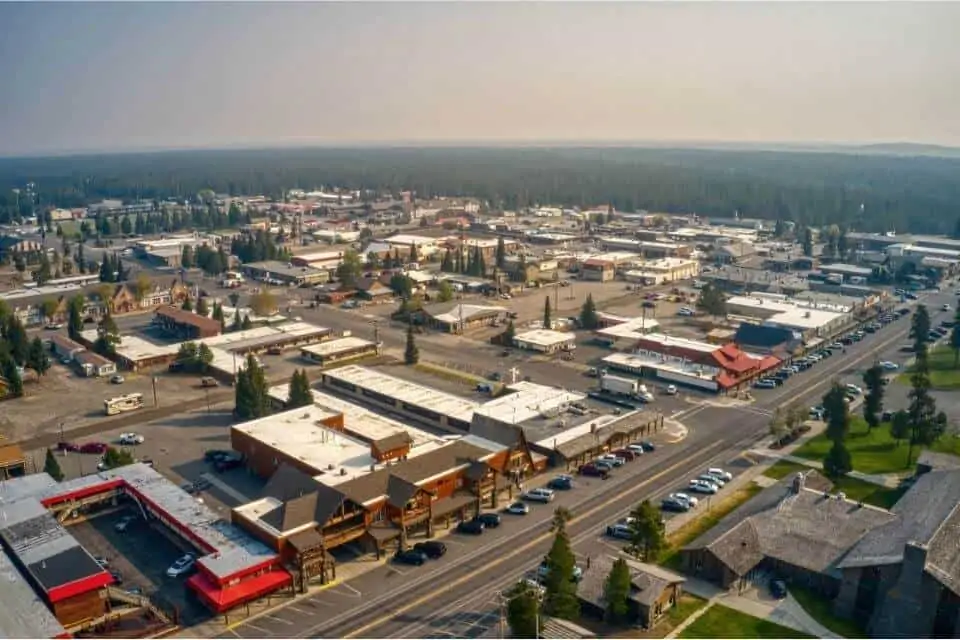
{"x":331,"y":466}
{"x":343,"y":471}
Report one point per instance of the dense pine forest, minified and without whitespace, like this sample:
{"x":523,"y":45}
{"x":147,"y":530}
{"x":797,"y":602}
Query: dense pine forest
{"x":919,"y":194}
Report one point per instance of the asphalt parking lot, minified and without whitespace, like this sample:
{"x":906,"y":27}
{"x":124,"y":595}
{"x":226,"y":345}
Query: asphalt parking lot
{"x":141,"y":555}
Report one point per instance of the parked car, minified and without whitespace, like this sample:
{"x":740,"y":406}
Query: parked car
{"x":410,"y":556}
{"x":561,"y":483}
{"x":702,"y":486}
{"x":68,"y":446}
{"x":470,"y":527}
{"x":817,"y":413}
{"x":619,"y":530}
{"x":626,"y":454}
{"x":726,"y":476}
{"x":93,"y":447}
{"x":610,"y":458}
{"x":604,"y":465}
{"x":117,"y":576}
{"x":669,"y":504}
{"x":671,"y":390}
{"x":636,"y":449}
{"x":765,"y":383}
{"x":53,"y":326}
{"x":102,"y":561}
{"x":594,"y":471}
{"x":489,"y":520}
{"x":207,"y":381}
{"x":518,"y":508}
{"x":538,"y":495}
{"x":227,"y":462}
{"x":889,"y":366}
{"x":854,"y":389}
{"x":124,"y":523}
{"x":116,"y":379}
{"x":683,"y":497}
{"x":431,"y":548}
{"x":715,"y":480}
{"x":212,"y":455}
{"x":544,"y":570}
{"x":131,"y":438}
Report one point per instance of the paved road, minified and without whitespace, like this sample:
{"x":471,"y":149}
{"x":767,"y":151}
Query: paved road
{"x":404,"y":602}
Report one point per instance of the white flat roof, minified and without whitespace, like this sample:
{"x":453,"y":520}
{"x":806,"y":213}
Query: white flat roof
{"x":467,"y":311}
{"x":338,"y":345}
{"x":783,"y":303}
{"x":407,"y":239}
{"x":39,"y":291}
{"x":529,"y":400}
{"x":414,"y":394}
{"x":665,"y":263}
{"x":681,"y":343}
{"x":579,"y":430}
{"x":799,"y":317}
{"x":545,"y":337}
{"x":636,"y":361}
{"x":632,"y":328}
{"x":360,"y":421}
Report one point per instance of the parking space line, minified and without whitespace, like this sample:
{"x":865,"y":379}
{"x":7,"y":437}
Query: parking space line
{"x":353,"y":591}
{"x":256,"y":628}
{"x":276,"y":619}
{"x":303,"y":611}
{"x":319,"y":603}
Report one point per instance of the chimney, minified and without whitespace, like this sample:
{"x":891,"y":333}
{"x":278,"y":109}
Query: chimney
{"x":593,"y":427}
{"x":799,"y":481}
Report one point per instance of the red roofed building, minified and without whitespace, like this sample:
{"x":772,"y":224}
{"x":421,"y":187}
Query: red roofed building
{"x":693,"y":363}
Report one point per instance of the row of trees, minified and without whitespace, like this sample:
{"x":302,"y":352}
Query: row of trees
{"x":908,"y":193}
{"x":211,"y":261}
{"x":18,"y":351}
{"x":256,"y":248}
{"x":465,"y":261}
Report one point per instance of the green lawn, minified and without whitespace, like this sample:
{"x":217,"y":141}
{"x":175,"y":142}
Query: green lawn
{"x":821,"y":610}
{"x":724,"y":622}
{"x":873,"y":451}
{"x":688,"y":605}
{"x":854,"y":489}
{"x":943,"y":375}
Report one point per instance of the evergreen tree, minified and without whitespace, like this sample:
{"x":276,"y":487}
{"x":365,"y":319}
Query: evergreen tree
{"x":444,"y":292}
{"x":919,"y":330}
{"x":647,"y":532}
{"x":246,"y":324}
{"x":219,"y":317}
{"x":187,"y":305}
{"x":413,"y":253}
{"x":446,"y":265}
{"x":411,"y":355}
{"x":522,"y":614}
{"x":501,"y":255}
{"x":561,"y":589}
{"x":547,"y":322}
{"x":955,"y":338}
{"x":44,"y":273}
{"x":75,"y":317}
{"x":900,"y":428}
{"x":837,"y":461}
{"x":37,"y":358}
{"x":251,"y":391}
{"x":8,"y":369}
{"x":712,"y":301}
{"x":18,"y":344}
{"x":509,"y":334}
{"x":202,"y":309}
{"x":300,"y":394}
{"x":808,"y":242}
{"x":108,"y":336}
{"x":237,"y":321}
{"x":588,"y":314}
{"x":873,"y":401}
{"x":186,"y":257}
{"x":616,"y":591}
{"x":51,"y":467}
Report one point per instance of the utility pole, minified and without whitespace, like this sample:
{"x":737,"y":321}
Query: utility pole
{"x":156,"y":399}
{"x":63,"y":440}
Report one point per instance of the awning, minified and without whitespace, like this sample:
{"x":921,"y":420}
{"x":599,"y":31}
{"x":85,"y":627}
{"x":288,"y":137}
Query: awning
{"x":222,"y":599}
{"x":443,"y":506}
{"x":383,"y":532}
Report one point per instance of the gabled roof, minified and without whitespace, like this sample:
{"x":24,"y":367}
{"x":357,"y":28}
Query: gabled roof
{"x":400,"y":491}
{"x":304,"y":499}
{"x":393,"y":442}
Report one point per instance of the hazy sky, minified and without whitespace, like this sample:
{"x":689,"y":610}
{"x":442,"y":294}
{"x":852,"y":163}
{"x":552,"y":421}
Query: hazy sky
{"x":83,"y":76}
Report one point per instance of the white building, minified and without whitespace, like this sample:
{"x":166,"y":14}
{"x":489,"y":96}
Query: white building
{"x":546,"y":341}
{"x":662,"y":271}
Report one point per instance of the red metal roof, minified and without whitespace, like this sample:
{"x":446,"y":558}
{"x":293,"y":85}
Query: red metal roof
{"x":222,"y":599}
{"x":83,"y":585}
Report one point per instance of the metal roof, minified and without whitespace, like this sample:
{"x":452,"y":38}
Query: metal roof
{"x":337,"y":346}
{"x":23,"y":614}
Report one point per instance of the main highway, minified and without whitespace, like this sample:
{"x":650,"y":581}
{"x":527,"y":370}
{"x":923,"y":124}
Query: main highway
{"x":456,"y":596}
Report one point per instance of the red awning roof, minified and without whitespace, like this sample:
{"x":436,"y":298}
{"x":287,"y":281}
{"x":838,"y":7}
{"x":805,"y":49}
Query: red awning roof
{"x":222,"y":599}
{"x":83,"y":585}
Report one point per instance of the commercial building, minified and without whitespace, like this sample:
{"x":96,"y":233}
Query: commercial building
{"x":464,"y":317}
{"x":625,"y":331}
{"x":546,"y":340}
{"x":646,"y":248}
{"x":810,"y":318}
{"x":24,"y":614}
{"x":689,"y":362}
{"x":276,"y":272}
{"x":662,"y":271}
{"x":328,"y":260}
{"x":433,"y":407}
{"x":339,"y":350}
{"x":897,"y":571}
{"x":186,"y":324}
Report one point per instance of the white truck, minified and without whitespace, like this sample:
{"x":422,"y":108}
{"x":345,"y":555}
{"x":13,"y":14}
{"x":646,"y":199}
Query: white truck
{"x":629,"y":387}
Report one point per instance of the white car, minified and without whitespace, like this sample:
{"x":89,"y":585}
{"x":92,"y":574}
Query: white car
{"x":671,"y":390}
{"x":706,"y":477}
{"x":518,"y":509}
{"x":685,"y":497}
{"x":726,"y":476}
{"x":701,"y":486}
{"x":544,"y":570}
{"x":181,"y":566}
{"x":131,"y":438}
{"x":945,"y":307}
{"x":889,"y":366}
{"x":609,"y":458}
{"x":636,"y":449}
{"x":854,"y":389}
{"x":685,"y":311}
{"x":538,"y":495}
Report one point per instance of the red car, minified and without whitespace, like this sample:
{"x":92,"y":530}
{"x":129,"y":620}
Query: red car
{"x":627,"y":455}
{"x":593,"y":470}
{"x":93,"y":447}
{"x":68,"y":446}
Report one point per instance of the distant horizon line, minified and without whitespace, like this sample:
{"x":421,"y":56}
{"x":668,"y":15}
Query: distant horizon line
{"x":892,"y":146}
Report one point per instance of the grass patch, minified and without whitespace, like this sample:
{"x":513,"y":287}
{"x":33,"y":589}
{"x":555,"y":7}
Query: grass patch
{"x":854,"y":488}
{"x":673,"y":618}
{"x":943,"y":375}
{"x":873,"y":451}
{"x":688,"y":605}
{"x":719,"y":506}
{"x":724,"y":622}
{"x":821,"y":610}
{"x":451,"y":374}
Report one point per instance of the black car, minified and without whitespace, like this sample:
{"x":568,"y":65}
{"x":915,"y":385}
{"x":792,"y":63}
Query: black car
{"x":560,"y":484}
{"x":648,"y":446}
{"x":470,"y":527}
{"x":410,"y":556}
{"x":670,"y":504}
{"x":431,"y":548}
{"x":228,"y":462}
{"x":213,"y":455}
{"x":778,"y":588}
{"x":489,"y":520}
